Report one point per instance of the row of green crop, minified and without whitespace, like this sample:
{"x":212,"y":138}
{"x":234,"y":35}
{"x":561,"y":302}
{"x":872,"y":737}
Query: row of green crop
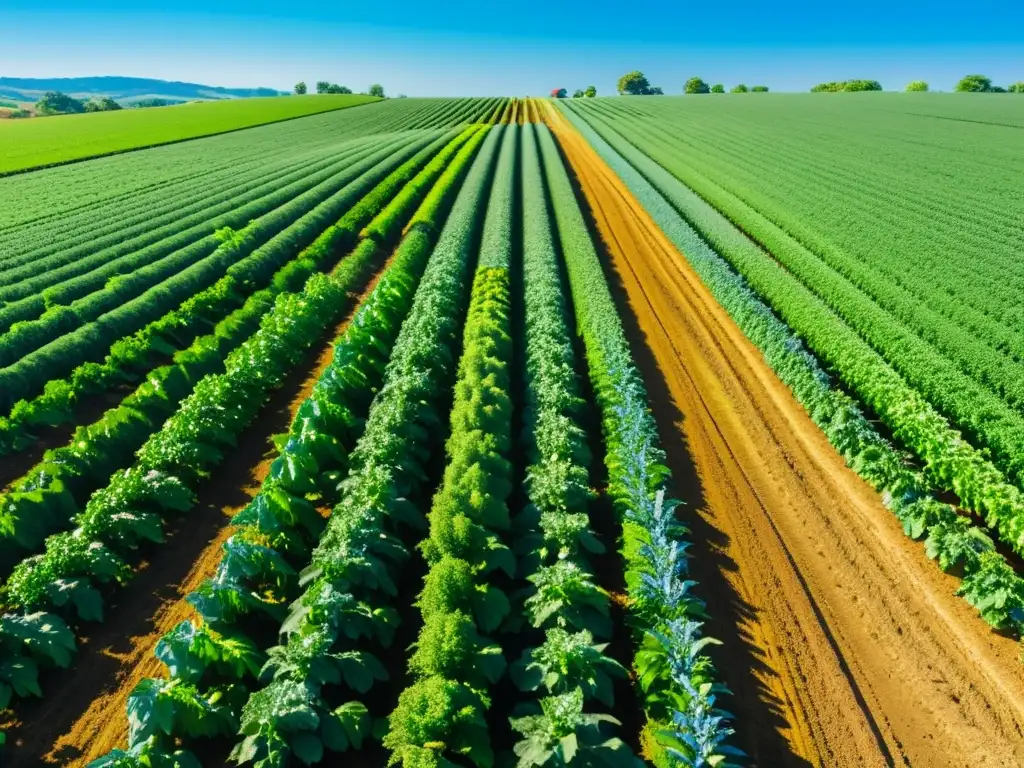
{"x":52,"y":491}
{"x":951,"y":463}
{"x":675,"y":677}
{"x":178,"y":210}
{"x":971,"y":331}
{"x":262,"y":216}
{"x":347,"y":611}
{"x":989,"y":582}
{"x":83,"y":274}
{"x":175,"y":213}
{"x":567,"y":673}
{"x":162,"y":482}
{"x":276,"y":530}
{"x":966,"y":209}
{"x":963,"y":374}
{"x":48,"y":198}
{"x":441,"y":714}
{"x":294,"y":225}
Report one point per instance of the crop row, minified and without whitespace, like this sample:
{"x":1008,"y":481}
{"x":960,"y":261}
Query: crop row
{"x":88,"y":270}
{"x":258,"y":210}
{"x":970,"y":381}
{"x":275,"y":532}
{"x":130,"y":358}
{"x":675,"y":676}
{"x":989,"y":582}
{"x":132,"y":508}
{"x":53,"y":490}
{"x":564,"y":676}
{"x":348,"y":603}
{"x":915,"y":291}
{"x":951,"y":463}
{"x":295,"y":223}
{"x":41,"y":199}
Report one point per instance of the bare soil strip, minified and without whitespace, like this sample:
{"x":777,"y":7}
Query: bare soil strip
{"x":82,"y":715}
{"x":843,"y":644}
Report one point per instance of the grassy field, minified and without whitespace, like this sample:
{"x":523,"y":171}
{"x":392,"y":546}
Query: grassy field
{"x":40,"y":143}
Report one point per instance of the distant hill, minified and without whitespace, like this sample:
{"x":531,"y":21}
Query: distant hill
{"x":122,"y":88}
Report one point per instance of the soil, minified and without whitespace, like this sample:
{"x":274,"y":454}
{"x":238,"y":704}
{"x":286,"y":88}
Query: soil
{"x":843,"y":644}
{"x":82,"y":715}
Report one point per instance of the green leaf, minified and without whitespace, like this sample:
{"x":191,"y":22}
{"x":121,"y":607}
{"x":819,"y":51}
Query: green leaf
{"x":306,"y":746}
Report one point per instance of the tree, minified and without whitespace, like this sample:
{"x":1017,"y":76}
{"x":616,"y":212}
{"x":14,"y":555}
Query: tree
{"x":654,"y":91}
{"x":917,"y":86}
{"x":974,"y":84}
{"x":847,"y":86}
{"x":578,"y":93}
{"x":633,"y":84}
{"x":335,"y":88}
{"x":741,"y":88}
{"x":759,"y":89}
{"x":101,"y":104}
{"x":718,"y":88}
{"x":57,"y":103}
{"x":1016,"y":87}
{"x":300,"y":88}
{"x":591,"y":91}
{"x":696,"y":85}
{"x":377,"y":90}
{"x":322,"y":86}
{"x":997,"y":89}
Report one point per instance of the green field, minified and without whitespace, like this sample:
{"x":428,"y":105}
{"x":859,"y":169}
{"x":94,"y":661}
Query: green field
{"x":884,"y":229}
{"x":53,"y":141}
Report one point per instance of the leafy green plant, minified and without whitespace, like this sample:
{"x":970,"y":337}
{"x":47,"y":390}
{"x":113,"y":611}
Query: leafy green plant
{"x":567,"y":595}
{"x":435,"y":716}
{"x":562,"y":734}
{"x":566,"y":661}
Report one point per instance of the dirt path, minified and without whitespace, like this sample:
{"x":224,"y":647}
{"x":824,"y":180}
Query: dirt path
{"x":89,"y":719}
{"x":844,"y":645}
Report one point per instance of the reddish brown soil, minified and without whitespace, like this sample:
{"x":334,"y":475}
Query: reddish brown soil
{"x":843,"y":644}
{"x":82,"y":715}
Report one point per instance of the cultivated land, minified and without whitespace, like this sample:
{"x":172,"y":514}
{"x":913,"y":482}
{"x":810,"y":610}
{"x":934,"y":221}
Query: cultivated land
{"x":27,"y":144}
{"x":355,"y":438}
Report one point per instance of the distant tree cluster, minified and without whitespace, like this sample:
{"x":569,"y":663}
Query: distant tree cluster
{"x":101,"y":104}
{"x":57,"y":103}
{"x":585,"y":93}
{"x":559,"y":93}
{"x":982,"y":84}
{"x":635,"y":84}
{"x":847,"y":86}
{"x":917,"y":86}
{"x":152,"y":103}
{"x":323,"y":86}
{"x":696,"y":85}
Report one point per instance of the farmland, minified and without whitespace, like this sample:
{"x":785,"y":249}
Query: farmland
{"x":486,"y":432}
{"x":37,"y":143}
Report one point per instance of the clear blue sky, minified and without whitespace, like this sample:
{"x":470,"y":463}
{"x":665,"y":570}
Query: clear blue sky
{"x":514,"y":47}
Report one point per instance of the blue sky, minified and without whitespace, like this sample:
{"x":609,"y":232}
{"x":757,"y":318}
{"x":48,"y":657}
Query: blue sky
{"x":516,"y":47}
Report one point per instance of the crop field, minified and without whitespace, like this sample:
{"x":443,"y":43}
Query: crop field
{"x":487,"y":432}
{"x":31,"y":144}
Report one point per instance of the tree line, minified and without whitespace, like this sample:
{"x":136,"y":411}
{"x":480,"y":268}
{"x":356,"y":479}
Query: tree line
{"x":967,"y":84}
{"x":323,"y":86}
{"x":636,"y":84}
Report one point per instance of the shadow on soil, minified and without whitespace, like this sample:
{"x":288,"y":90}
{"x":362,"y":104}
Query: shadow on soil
{"x":740,"y":664}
